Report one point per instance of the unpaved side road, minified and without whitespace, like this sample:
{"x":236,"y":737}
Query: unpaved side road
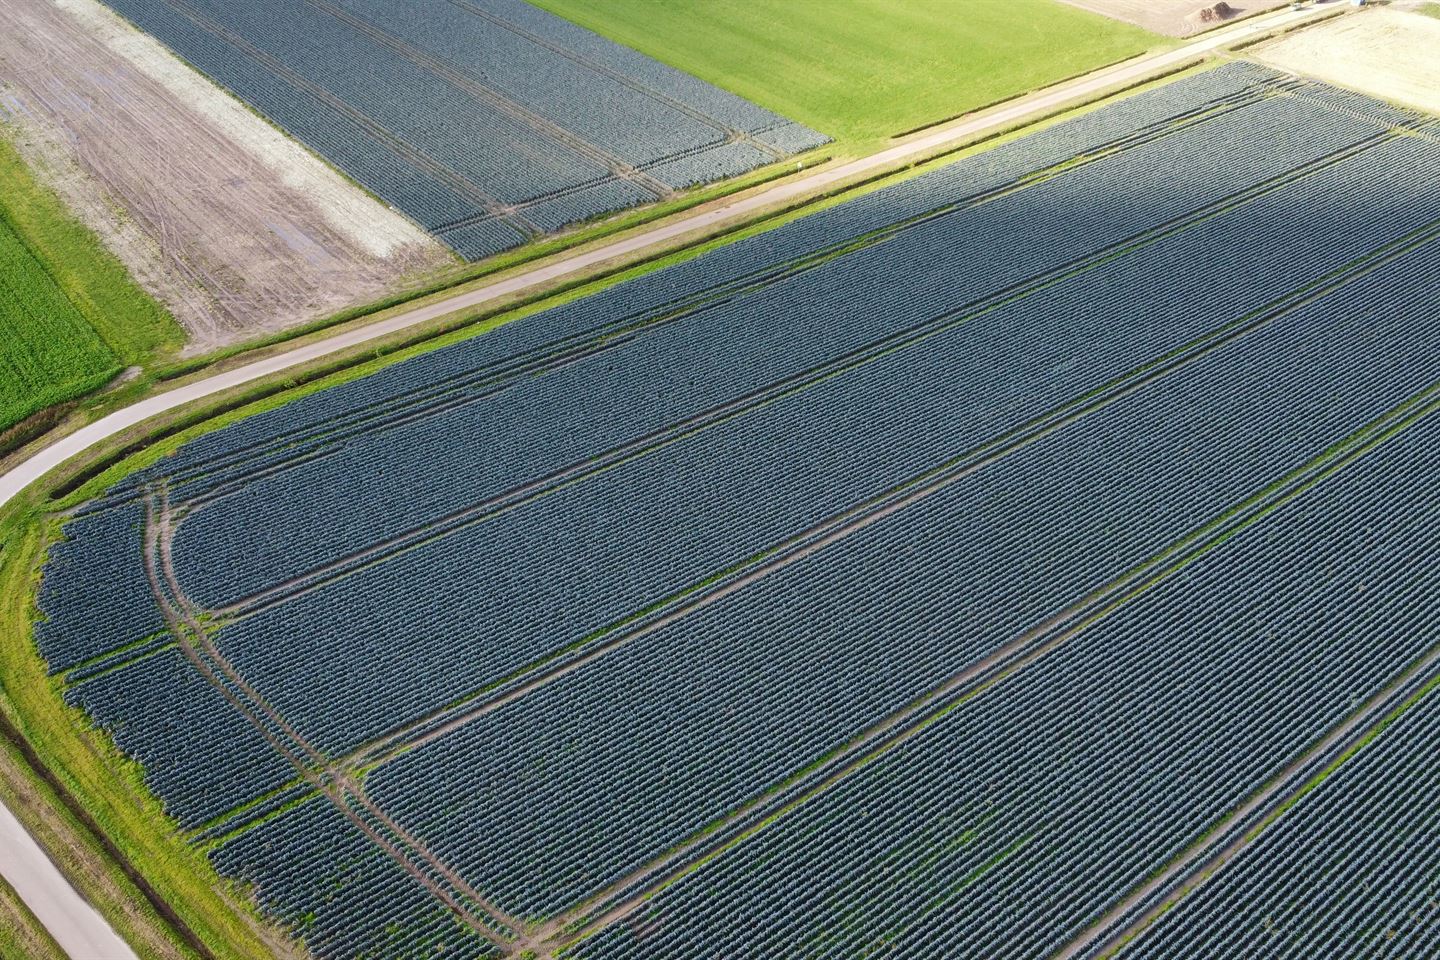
{"x":38,"y":882}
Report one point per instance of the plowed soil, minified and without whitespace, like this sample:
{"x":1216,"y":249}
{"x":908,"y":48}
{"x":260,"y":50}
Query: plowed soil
{"x":237,"y":229}
{"x":1174,"y":18}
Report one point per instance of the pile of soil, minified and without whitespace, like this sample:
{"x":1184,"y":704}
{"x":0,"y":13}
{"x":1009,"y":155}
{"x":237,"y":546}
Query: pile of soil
{"x":1216,"y":13}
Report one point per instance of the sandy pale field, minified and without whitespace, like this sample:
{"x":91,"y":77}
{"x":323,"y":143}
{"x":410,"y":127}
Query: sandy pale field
{"x":1390,"y":54}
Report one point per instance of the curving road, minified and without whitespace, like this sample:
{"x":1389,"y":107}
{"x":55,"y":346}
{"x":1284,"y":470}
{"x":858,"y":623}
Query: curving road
{"x":76,"y":926}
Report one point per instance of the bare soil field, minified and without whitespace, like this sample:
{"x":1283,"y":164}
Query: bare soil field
{"x":1392,"y":54}
{"x":1174,"y":18}
{"x":237,"y":229}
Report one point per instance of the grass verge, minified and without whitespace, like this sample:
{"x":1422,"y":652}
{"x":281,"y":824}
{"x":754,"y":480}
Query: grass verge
{"x":88,"y":805}
{"x":21,"y":935}
{"x":864,"y":70}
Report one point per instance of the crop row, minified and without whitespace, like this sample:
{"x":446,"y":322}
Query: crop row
{"x":399,"y":639}
{"x":86,"y":617}
{"x":254,"y":538}
{"x":318,"y":874}
{"x":744,"y":258}
{"x":550,"y":572}
{"x":442,"y":111}
{"x":197,"y":751}
{"x":49,"y":353}
{"x":623,"y":759}
{"x":1022,"y":815}
{"x":660,"y":291}
{"x":1352,"y":870}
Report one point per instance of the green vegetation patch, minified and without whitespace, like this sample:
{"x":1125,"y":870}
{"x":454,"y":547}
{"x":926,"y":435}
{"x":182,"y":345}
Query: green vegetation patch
{"x":48,"y":353}
{"x":70,"y":316}
{"x":865,"y":70}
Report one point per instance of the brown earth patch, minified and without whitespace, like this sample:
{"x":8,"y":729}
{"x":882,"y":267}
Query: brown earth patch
{"x":237,"y":229}
{"x":1175,"y":18}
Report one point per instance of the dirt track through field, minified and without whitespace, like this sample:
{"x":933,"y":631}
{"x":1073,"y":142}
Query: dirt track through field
{"x":337,"y":786}
{"x":238,"y":230}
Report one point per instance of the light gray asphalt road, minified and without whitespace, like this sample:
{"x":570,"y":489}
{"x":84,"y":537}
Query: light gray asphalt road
{"x":76,"y":926}
{"x":72,"y":921}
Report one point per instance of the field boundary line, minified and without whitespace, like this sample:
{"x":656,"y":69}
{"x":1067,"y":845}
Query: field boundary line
{"x":564,"y":349}
{"x":617,"y":167}
{"x":500,"y":212}
{"x":628,"y":895}
{"x":433,"y":530}
{"x":732,"y":134}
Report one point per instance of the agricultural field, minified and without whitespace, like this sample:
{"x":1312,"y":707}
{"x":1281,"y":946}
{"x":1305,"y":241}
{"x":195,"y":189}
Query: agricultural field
{"x":488,"y":122}
{"x":70,"y":318}
{"x":953,"y":567}
{"x":1348,"y":871}
{"x":863,"y":71}
{"x":236,"y":230}
{"x":1386,"y":53}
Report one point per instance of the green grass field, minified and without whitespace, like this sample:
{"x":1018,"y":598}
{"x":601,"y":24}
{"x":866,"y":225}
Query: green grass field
{"x":70,"y":316}
{"x":864,"y":70}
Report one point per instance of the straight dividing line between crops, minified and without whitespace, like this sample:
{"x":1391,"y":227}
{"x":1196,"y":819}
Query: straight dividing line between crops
{"x":432,"y":531}
{"x":568,"y":659}
{"x":979,"y":306}
{"x":767,"y":276}
{"x":624,"y":898}
{"x":231,"y":823}
{"x":1212,"y":853}
{"x":501,"y":213}
{"x":732,"y":133}
{"x":215,"y":669}
{"x":512,"y":108}
{"x":102,"y":662}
